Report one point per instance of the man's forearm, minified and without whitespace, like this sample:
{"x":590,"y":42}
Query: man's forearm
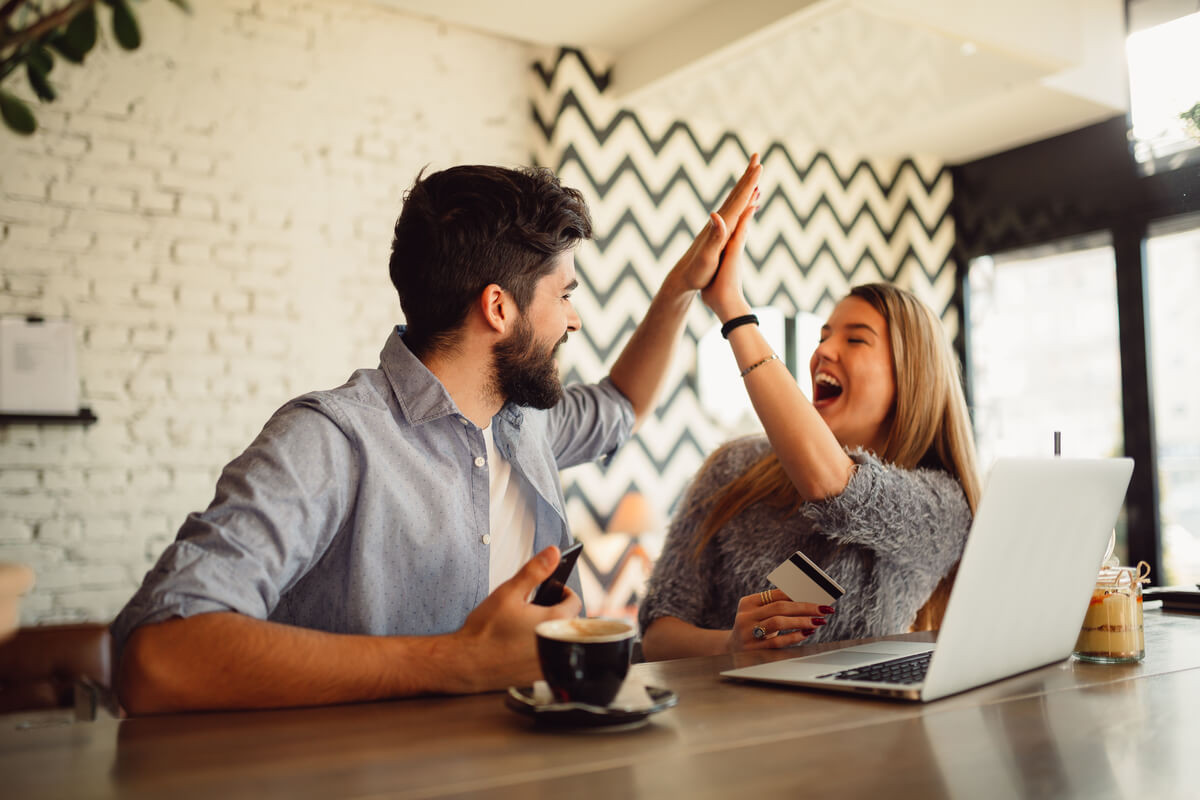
{"x":639,"y":370}
{"x":227,"y":660}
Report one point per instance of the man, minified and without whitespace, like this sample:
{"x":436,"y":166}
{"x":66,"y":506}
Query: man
{"x":375,"y":539}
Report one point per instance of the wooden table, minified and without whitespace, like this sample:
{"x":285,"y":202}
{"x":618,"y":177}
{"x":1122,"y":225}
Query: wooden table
{"x":1067,"y":730}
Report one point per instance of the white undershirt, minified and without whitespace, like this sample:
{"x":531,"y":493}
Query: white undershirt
{"x":510,"y":517}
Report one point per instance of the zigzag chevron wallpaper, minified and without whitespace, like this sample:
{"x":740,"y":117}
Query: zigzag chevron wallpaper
{"x":827,"y":222}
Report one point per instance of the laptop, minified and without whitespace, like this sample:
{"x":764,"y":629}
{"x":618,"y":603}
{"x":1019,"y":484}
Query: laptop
{"x":1022,"y":590}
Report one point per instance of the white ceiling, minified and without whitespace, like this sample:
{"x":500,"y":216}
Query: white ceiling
{"x":954,"y":79}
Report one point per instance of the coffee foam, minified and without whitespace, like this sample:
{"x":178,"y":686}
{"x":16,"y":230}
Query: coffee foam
{"x":585,"y":629}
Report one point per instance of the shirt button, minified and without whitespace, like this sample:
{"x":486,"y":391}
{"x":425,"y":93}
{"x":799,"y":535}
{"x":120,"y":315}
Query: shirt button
{"x":480,"y":461}
{"x":487,"y":538}
{"x":463,"y":420}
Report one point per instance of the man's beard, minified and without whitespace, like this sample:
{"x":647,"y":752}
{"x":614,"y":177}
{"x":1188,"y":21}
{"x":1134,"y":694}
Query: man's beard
{"x":523,"y":374}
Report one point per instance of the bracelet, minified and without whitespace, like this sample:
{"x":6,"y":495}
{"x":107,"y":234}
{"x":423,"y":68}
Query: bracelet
{"x":758,"y":364}
{"x":737,"y":322}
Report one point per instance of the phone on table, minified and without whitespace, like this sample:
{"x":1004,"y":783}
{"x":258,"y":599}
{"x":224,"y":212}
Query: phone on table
{"x":551,"y":591}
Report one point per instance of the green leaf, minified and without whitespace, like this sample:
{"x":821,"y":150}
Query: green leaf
{"x":182,"y":5}
{"x":39,"y":82}
{"x":81,"y":30}
{"x":16,"y":114}
{"x":65,"y":48}
{"x":40,"y":58}
{"x":125,"y":27}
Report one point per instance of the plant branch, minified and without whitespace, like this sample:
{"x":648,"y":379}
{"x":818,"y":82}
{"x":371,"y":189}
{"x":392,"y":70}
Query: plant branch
{"x":46,"y":24}
{"x":11,"y":62}
{"x":9,"y":8}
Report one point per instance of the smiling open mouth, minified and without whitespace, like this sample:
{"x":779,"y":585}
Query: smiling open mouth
{"x":826,"y":387}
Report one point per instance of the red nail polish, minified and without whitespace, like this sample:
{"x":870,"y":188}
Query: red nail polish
{"x":825,"y":609}
{"x":818,"y":620}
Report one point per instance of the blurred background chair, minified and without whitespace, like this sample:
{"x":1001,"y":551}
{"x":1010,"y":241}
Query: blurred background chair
{"x":15,"y":581}
{"x":617,"y":561}
{"x":58,"y":667}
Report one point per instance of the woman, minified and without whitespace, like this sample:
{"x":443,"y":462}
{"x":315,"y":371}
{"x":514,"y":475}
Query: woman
{"x":874,"y":480}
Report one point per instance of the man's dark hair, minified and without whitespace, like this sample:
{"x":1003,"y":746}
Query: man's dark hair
{"x":466,"y":227}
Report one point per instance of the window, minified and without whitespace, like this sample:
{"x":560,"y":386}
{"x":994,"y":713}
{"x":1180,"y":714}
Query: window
{"x":1045,"y":354}
{"x":1164,"y":82}
{"x":1086,"y":180}
{"x":1173,"y":273}
{"x":721,"y":393}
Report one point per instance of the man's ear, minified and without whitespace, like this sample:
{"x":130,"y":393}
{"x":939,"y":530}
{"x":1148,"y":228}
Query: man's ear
{"x":498,"y":308}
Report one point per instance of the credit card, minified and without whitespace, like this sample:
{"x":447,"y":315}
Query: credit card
{"x":804,"y":581}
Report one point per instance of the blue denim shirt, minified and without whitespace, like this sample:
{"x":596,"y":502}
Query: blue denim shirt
{"x":363,"y":509}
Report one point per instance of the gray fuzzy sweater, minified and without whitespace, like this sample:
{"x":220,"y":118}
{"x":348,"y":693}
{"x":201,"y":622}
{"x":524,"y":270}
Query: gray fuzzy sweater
{"x":888,"y":539}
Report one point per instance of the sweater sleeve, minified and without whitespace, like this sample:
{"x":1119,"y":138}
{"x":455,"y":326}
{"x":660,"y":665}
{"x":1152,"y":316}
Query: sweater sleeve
{"x":681,"y":583}
{"x":917,"y":518}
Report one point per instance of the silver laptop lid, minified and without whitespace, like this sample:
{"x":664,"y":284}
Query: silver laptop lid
{"x":1028,"y":568}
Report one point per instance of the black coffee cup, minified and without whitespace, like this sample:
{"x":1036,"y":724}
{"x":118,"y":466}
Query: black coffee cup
{"x":585,"y":660}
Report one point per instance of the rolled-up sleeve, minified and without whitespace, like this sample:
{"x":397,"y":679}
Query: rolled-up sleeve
{"x":589,"y":423}
{"x":277,"y":507}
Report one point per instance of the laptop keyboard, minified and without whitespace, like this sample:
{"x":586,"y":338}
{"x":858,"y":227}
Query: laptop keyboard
{"x":908,"y":669}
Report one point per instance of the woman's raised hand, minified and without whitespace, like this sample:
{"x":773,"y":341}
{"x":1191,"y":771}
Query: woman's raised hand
{"x":724,"y":294}
{"x":700,"y":263}
{"x":770,"y":620}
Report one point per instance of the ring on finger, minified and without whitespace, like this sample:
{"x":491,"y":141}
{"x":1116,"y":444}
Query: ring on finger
{"x":760,"y":632}
{"x":765,"y":596}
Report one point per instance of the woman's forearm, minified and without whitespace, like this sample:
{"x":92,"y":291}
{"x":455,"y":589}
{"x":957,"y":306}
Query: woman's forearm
{"x":808,"y":451}
{"x":671,"y":637}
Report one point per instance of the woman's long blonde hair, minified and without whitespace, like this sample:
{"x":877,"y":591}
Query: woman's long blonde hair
{"x":927,"y":427}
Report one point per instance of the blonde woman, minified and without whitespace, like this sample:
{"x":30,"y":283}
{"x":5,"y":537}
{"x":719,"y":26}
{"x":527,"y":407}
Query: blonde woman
{"x":875,"y":480}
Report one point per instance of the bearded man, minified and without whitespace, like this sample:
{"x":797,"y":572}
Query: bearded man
{"x":382,"y":539}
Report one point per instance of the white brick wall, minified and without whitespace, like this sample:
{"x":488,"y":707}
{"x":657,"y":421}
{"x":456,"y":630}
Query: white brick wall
{"x":214,"y":213}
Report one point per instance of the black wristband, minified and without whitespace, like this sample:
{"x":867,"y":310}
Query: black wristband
{"x":737,"y":322}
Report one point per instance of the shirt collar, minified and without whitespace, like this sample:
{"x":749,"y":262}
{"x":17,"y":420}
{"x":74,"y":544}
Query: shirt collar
{"x":421,"y":396}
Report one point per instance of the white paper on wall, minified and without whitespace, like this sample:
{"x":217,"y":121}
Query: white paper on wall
{"x":38,"y":370}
